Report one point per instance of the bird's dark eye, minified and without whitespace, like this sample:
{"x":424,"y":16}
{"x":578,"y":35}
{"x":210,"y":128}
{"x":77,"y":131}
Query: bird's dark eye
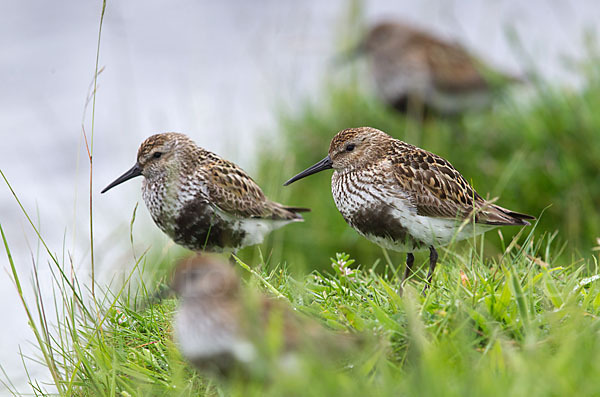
{"x":350,"y":147}
{"x":157,"y":155}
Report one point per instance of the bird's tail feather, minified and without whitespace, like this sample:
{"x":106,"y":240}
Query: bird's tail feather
{"x":297,"y":209}
{"x":280,"y":211}
{"x":497,"y":215}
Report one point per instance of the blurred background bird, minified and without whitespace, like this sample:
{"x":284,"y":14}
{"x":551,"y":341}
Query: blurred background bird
{"x":419,"y":73}
{"x":225,"y":329}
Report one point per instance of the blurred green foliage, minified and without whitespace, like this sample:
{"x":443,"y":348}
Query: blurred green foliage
{"x":517,"y":326}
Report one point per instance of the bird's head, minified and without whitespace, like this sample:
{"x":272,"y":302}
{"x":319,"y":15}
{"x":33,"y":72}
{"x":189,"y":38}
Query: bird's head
{"x":157,"y":156}
{"x":205,"y":277}
{"x":386,"y":36}
{"x":350,"y":149}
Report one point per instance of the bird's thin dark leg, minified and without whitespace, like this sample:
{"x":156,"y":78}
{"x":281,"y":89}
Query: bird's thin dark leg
{"x":410,"y":259}
{"x":433,"y":257}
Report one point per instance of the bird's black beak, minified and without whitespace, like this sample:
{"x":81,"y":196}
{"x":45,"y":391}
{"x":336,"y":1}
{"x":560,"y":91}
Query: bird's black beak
{"x":136,"y":170}
{"x":325,"y":164}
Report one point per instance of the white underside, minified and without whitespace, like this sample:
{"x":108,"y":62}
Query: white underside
{"x":256,"y":229}
{"x":412,"y":80}
{"x":451,"y":103}
{"x":437,"y":231}
{"x":432,"y":232}
{"x":200,"y":339}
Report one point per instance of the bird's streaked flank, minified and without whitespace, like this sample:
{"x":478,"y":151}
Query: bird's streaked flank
{"x":404,"y":198}
{"x":200,"y":200}
{"x":415,"y":71}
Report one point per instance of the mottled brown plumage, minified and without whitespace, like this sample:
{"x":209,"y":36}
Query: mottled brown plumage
{"x":402,"y":197}
{"x":201,"y":200}
{"x":222,"y":327}
{"x":414,"y":69}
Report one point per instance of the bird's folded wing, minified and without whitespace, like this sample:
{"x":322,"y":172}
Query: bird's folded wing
{"x":233,"y":191}
{"x":453,"y":68}
{"x":433,"y":186}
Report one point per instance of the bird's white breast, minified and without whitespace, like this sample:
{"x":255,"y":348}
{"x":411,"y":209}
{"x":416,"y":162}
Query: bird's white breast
{"x":201,"y":335}
{"x":399,"y":77}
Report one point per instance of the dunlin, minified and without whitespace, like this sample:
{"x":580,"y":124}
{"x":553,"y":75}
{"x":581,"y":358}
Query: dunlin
{"x":200,"y":200}
{"x":221,"y":327}
{"x":404,"y":198}
{"x":415,"y":71}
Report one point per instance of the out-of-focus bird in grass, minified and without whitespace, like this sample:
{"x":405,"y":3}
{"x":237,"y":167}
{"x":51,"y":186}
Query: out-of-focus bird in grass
{"x":223,"y":328}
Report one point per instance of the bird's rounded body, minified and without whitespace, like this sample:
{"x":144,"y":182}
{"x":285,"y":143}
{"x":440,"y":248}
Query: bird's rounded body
{"x":206,"y":325}
{"x":413,"y":68}
{"x":400,"y":79}
{"x":208,"y":335}
{"x":202,"y":201}
{"x":182,"y":209}
{"x":386,"y":216}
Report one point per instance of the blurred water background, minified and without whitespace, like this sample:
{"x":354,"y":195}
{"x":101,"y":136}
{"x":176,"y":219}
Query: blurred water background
{"x":217,"y":71}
